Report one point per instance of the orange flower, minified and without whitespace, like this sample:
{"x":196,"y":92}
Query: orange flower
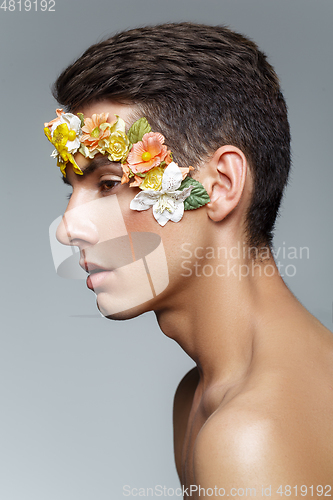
{"x":125,"y":178}
{"x":96,"y":129}
{"x":185,"y":171}
{"x":49,"y":124}
{"x":148,"y":153}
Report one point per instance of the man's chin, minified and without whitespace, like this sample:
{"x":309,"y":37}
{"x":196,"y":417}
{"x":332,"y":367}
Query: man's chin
{"x":120,"y":312}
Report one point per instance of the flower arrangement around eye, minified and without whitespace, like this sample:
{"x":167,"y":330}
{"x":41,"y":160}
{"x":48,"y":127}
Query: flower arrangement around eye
{"x":146,"y":162}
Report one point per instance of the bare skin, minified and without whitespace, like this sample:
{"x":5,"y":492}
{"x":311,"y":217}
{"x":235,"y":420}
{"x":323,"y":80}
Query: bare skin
{"x":273,"y":423}
{"x":257,"y":411}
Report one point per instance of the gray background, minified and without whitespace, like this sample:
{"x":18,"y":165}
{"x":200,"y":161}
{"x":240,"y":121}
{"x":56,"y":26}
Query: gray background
{"x":85,"y":402}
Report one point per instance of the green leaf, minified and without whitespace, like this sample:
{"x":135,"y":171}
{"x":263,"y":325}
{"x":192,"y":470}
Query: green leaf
{"x":138,"y":130}
{"x":198,"y":197}
{"x":80,"y":115}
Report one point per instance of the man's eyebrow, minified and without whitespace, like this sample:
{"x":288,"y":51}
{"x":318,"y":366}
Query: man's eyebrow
{"x":96,"y":163}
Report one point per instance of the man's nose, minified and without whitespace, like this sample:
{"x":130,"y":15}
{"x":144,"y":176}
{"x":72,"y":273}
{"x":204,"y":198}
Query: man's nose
{"x":76,"y":227}
{"x":91,"y":222}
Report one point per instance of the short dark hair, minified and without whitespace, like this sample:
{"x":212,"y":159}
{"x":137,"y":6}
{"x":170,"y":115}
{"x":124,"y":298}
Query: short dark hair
{"x":202,"y":87}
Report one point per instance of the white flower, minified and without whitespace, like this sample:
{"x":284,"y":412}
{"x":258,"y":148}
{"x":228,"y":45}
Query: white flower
{"x":74,"y":123}
{"x":167,"y":203}
{"x":86,"y":151}
{"x":118,"y":126}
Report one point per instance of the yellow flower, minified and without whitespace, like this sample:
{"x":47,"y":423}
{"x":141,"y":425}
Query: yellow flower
{"x":60,"y":136}
{"x":59,"y":141}
{"x":153,"y":179}
{"x":116,"y":146}
{"x":48,"y":133}
{"x":62,"y":165}
{"x":65,"y":157}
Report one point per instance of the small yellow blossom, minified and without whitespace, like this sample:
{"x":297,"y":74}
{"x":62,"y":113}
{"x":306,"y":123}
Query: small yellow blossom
{"x":59,"y":141}
{"x":153,"y":179}
{"x":116,"y":146}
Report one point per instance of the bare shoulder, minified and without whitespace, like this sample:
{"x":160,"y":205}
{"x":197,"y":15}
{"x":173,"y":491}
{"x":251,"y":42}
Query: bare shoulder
{"x":181,"y":410}
{"x":244,"y":446}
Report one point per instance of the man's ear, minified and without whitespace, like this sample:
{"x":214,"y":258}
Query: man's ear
{"x":224,"y":180}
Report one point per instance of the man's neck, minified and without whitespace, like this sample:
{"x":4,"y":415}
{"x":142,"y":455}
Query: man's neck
{"x":224,"y":323}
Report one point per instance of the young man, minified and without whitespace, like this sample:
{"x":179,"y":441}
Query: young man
{"x":255,"y":417}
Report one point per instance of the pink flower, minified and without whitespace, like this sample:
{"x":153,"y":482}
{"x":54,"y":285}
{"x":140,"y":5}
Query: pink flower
{"x":148,"y":153}
{"x":96,"y":128}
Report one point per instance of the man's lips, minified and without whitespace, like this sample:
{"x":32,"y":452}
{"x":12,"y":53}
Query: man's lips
{"x":95,"y":280}
{"x":91,"y":267}
{"x":97,"y":274}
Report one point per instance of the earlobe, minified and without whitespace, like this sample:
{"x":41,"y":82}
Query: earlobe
{"x":225,"y":181}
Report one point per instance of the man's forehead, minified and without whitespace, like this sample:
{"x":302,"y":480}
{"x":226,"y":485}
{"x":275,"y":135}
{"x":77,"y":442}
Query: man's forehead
{"x":125,"y":111}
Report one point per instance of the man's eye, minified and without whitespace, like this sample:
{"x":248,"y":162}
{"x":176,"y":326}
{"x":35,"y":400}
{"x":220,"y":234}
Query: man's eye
{"x":106,"y":186}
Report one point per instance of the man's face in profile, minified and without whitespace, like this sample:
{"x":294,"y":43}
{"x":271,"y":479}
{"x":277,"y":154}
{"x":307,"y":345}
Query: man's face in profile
{"x":124,"y":259}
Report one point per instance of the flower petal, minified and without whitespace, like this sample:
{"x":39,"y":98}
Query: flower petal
{"x":161,"y":217}
{"x":88,"y":125}
{"x":174,"y":214}
{"x":182,"y":195}
{"x":118,"y":125}
{"x":135,"y":155}
{"x":136,"y":182}
{"x":152,"y":143}
{"x":185,"y":171}
{"x":172,"y":177}
{"x":145,"y":166}
{"x":49,"y":124}
{"x":178,"y":213}
{"x":143,"y":200}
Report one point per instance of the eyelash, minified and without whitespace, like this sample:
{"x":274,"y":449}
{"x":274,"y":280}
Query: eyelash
{"x":110,"y":185}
